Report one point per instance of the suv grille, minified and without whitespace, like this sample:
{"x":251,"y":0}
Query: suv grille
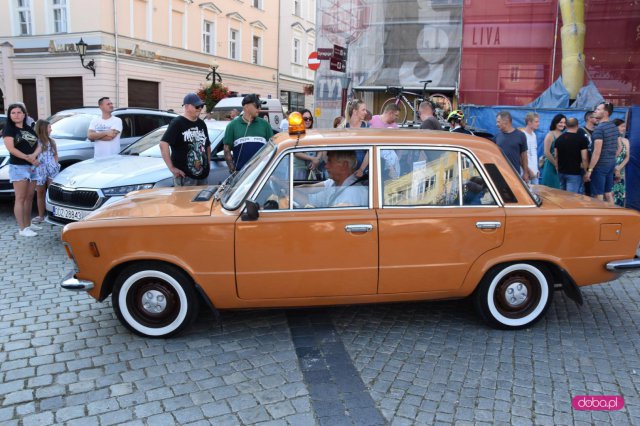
{"x":85,"y":199}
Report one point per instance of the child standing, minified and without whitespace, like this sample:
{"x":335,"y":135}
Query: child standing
{"x":49,"y":166}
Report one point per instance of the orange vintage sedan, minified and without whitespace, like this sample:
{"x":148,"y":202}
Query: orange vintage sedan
{"x":347,"y":216}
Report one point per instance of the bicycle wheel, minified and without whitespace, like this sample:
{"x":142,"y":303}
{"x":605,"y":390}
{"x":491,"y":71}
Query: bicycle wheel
{"x":443,"y":105}
{"x":402,"y":118}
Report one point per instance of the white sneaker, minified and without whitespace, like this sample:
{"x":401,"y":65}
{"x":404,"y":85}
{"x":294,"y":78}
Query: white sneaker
{"x":26,"y":232}
{"x":37,"y":220}
{"x":35,"y":227}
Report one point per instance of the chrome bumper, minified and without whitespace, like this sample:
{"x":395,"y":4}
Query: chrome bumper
{"x":72,"y":283}
{"x":624,"y":265}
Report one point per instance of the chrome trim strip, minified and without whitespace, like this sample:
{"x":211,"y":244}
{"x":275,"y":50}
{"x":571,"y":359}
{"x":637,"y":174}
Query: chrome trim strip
{"x":623,"y":265}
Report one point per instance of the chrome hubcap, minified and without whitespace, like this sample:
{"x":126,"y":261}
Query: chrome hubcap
{"x":154,"y":302}
{"x":516,"y":294}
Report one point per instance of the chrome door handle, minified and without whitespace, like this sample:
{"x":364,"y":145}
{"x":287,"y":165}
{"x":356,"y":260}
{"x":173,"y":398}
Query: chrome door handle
{"x":488,"y":225}
{"x":358,"y":228}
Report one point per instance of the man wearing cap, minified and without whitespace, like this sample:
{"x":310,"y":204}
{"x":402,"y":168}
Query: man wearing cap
{"x":190,"y":156}
{"x":245,"y":136}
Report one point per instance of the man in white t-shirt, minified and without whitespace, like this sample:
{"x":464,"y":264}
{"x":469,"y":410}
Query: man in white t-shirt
{"x":532,"y":121}
{"x":105,"y":131}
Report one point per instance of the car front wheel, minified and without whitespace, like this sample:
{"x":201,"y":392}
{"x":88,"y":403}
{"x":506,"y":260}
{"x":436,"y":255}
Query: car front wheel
{"x":153,"y":299}
{"x":513,"y":296}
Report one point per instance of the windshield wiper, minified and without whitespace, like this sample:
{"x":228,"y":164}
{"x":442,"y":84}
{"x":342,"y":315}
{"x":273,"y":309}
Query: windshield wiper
{"x":227,"y":182}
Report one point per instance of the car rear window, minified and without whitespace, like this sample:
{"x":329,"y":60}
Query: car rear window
{"x":505,"y":192}
{"x":72,"y":127}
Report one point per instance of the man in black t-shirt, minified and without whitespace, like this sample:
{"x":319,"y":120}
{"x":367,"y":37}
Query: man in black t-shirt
{"x":190,"y":156}
{"x":571,"y":151}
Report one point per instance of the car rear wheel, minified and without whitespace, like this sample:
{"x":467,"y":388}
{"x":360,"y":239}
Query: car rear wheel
{"x":513,"y":296}
{"x":153,"y":299}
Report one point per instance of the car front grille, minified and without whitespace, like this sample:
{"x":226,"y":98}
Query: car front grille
{"x":73,"y":198}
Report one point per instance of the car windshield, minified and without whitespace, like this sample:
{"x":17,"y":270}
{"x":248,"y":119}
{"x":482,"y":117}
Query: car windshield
{"x":149,"y":145}
{"x":72,"y":127}
{"x":244,"y":180}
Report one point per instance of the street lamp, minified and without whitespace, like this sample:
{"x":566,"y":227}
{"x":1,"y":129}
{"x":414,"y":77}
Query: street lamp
{"x":213,"y":75}
{"x":82,"y":51}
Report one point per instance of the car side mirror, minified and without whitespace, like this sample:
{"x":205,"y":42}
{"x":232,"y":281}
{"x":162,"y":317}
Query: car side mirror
{"x":250,"y":211}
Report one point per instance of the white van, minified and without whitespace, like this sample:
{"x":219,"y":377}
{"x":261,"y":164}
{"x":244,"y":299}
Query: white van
{"x":271,"y":110}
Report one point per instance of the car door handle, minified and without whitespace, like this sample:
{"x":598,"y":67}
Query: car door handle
{"x":488,"y":225}
{"x":359,"y":228}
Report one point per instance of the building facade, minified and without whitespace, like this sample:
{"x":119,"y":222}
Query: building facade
{"x":146,"y":53}
{"x":297,"y":41}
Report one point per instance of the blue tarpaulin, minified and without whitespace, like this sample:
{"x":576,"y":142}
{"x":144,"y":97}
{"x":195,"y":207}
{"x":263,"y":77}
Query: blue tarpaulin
{"x":556,"y":96}
{"x":484,"y":118}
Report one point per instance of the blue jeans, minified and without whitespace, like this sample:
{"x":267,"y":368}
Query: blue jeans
{"x":571,"y":183}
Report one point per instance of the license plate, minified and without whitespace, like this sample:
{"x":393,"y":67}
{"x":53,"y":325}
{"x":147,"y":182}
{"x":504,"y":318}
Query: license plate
{"x":70,"y":214}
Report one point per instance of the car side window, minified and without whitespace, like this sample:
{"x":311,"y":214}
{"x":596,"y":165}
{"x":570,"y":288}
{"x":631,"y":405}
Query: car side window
{"x":474,"y":187}
{"x":146,"y":123}
{"x":127,"y":126}
{"x":419,"y":177}
{"x":328,"y":179}
{"x":274,"y":195}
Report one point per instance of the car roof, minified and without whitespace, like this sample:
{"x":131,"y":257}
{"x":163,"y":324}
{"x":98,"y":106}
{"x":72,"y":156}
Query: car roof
{"x":95,"y":110}
{"x":328,"y":137}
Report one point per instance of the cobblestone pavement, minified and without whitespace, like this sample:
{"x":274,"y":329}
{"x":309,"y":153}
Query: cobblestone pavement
{"x":65,"y":359}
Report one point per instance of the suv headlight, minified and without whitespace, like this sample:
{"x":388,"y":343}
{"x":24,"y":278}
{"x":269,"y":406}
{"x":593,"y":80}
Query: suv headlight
{"x":124,"y":190}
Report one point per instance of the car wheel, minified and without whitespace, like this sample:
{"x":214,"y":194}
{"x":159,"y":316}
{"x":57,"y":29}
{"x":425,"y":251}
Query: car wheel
{"x":153,"y":299}
{"x":513,"y":296}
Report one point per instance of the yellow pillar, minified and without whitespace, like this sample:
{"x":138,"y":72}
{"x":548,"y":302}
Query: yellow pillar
{"x":572,"y":35}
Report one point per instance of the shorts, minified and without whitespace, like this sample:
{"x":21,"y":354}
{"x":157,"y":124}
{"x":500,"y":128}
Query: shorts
{"x":18,"y":172}
{"x":602,"y":180}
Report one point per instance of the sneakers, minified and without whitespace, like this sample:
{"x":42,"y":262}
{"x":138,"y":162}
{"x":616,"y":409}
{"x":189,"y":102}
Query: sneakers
{"x":26,"y":232}
{"x":37,"y":220}
{"x":35,"y":227}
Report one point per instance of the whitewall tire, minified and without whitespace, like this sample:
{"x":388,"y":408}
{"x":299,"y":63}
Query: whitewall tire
{"x":153,"y":299}
{"x":514,"y":296}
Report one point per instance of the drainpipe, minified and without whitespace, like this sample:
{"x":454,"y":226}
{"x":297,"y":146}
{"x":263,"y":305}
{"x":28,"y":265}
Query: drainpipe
{"x":278,"y":53}
{"x":115,"y":34}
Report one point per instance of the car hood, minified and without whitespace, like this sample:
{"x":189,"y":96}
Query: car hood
{"x":156,"y":203}
{"x":113,"y":171}
{"x":568,"y":200}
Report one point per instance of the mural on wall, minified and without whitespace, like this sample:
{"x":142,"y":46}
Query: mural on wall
{"x":389,"y":43}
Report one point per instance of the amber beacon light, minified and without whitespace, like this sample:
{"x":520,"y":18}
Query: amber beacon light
{"x":296,"y":125}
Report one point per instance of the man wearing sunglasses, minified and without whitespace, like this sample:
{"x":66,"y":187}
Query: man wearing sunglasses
{"x":190,"y":156}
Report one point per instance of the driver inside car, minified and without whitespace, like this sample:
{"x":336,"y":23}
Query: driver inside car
{"x":343,"y":189}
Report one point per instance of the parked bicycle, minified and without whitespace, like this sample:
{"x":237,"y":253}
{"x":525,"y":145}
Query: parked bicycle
{"x":443,"y":105}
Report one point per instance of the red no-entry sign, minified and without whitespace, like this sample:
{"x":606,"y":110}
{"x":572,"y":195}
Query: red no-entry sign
{"x":313,"y":62}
